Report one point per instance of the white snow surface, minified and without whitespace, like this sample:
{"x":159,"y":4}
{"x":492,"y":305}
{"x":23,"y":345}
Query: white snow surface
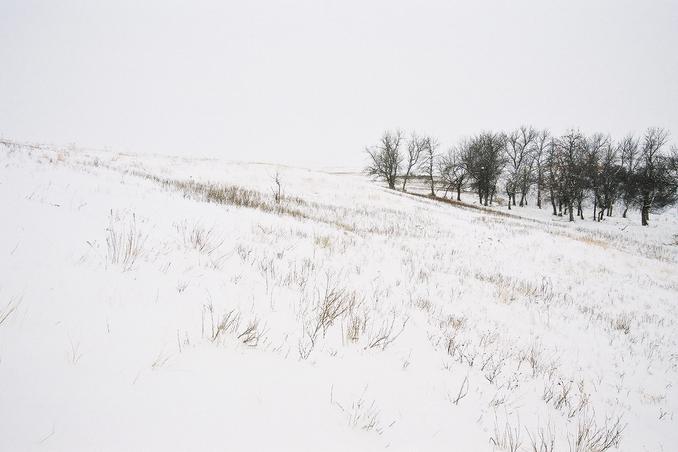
{"x":446,"y":328}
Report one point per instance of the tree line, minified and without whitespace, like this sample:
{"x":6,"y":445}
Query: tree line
{"x":569,"y":172}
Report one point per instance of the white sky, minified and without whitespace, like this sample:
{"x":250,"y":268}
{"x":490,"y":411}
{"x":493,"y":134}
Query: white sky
{"x":314,"y":82}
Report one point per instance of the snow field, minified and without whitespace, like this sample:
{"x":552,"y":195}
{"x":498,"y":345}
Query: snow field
{"x":137,"y":315}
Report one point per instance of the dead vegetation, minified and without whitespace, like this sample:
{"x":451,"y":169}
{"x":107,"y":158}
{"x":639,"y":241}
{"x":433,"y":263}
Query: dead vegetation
{"x":388,"y":331}
{"x":124,"y":241}
{"x":329,"y":306}
{"x":506,"y":438}
{"x":622,"y":323}
{"x":592,"y":437}
{"x":543,"y":441}
{"x":198,"y":237}
{"x":463,"y":391}
{"x":251,"y":332}
{"x":9,"y":308}
{"x":361,"y":413}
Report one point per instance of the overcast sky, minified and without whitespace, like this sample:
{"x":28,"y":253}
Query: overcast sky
{"x":314,"y":82}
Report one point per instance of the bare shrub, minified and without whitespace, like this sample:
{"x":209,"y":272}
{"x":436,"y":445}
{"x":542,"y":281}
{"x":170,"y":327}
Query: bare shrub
{"x":252,"y":334}
{"x":362,"y":414}
{"x":159,"y":361}
{"x":463,"y":391}
{"x":356,"y":325}
{"x":9,"y":309}
{"x":508,"y":438}
{"x":582,"y":402}
{"x":298,"y":275}
{"x":461,"y":349}
{"x":622,"y":323}
{"x":543,"y":441}
{"x":323,"y":241}
{"x":549,"y":392}
{"x":330,"y":305}
{"x":457,"y":323}
{"x":199,"y":237}
{"x":492,"y":367}
{"x":539,"y":362}
{"x":592,"y":437}
{"x":277,"y":188}
{"x":243,"y":252}
{"x":562,"y":396}
{"x":229,"y":322}
{"x":124,"y":242}
{"x":424,"y":304}
{"x":387,"y":333}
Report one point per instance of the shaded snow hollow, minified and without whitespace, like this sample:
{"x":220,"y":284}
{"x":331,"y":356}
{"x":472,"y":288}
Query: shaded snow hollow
{"x":142,"y":308}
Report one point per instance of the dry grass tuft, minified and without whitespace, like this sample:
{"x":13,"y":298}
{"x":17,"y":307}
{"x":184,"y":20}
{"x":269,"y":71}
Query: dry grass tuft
{"x":124,"y":242}
{"x":9,"y":309}
{"x":592,"y":437}
{"x":199,"y":237}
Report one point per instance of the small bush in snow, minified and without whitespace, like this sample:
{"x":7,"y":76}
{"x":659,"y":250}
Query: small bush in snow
{"x":124,"y":242}
{"x":592,"y":437}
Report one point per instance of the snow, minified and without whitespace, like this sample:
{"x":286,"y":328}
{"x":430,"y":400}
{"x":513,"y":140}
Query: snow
{"x":547,"y":324}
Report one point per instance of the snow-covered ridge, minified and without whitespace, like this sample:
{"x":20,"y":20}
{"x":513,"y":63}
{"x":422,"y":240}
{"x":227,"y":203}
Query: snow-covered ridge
{"x":140,"y":312}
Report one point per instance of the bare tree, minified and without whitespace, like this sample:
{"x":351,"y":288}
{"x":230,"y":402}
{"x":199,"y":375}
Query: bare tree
{"x":415,"y":147}
{"x":554,"y":175}
{"x":385,"y":158}
{"x":656,"y":184}
{"x":571,"y":148}
{"x":592,"y":169}
{"x":610,"y":180}
{"x":452,"y":168}
{"x":539,"y":153}
{"x":428,"y":164}
{"x":517,"y":151}
{"x":526,"y":178}
{"x":277,"y":188}
{"x":629,"y":162}
{"x":484,"y":163}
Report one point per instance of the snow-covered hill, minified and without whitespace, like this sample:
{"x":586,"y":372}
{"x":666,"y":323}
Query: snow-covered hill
{"x":156,"y":303}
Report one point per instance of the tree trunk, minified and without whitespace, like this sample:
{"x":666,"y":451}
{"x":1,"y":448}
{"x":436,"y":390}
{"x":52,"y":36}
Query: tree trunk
{"x":430,"y":174}
{"x":509,"y":199}
{"x":626,"y":209}
{"x":595,"y":206}
{"x":459,"y":192}
{"x":538,"y":196}
{"x":570,"y":208}
{"x":645,"y":211}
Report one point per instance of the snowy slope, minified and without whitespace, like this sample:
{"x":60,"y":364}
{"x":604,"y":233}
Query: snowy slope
{"x":142,"y":308}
